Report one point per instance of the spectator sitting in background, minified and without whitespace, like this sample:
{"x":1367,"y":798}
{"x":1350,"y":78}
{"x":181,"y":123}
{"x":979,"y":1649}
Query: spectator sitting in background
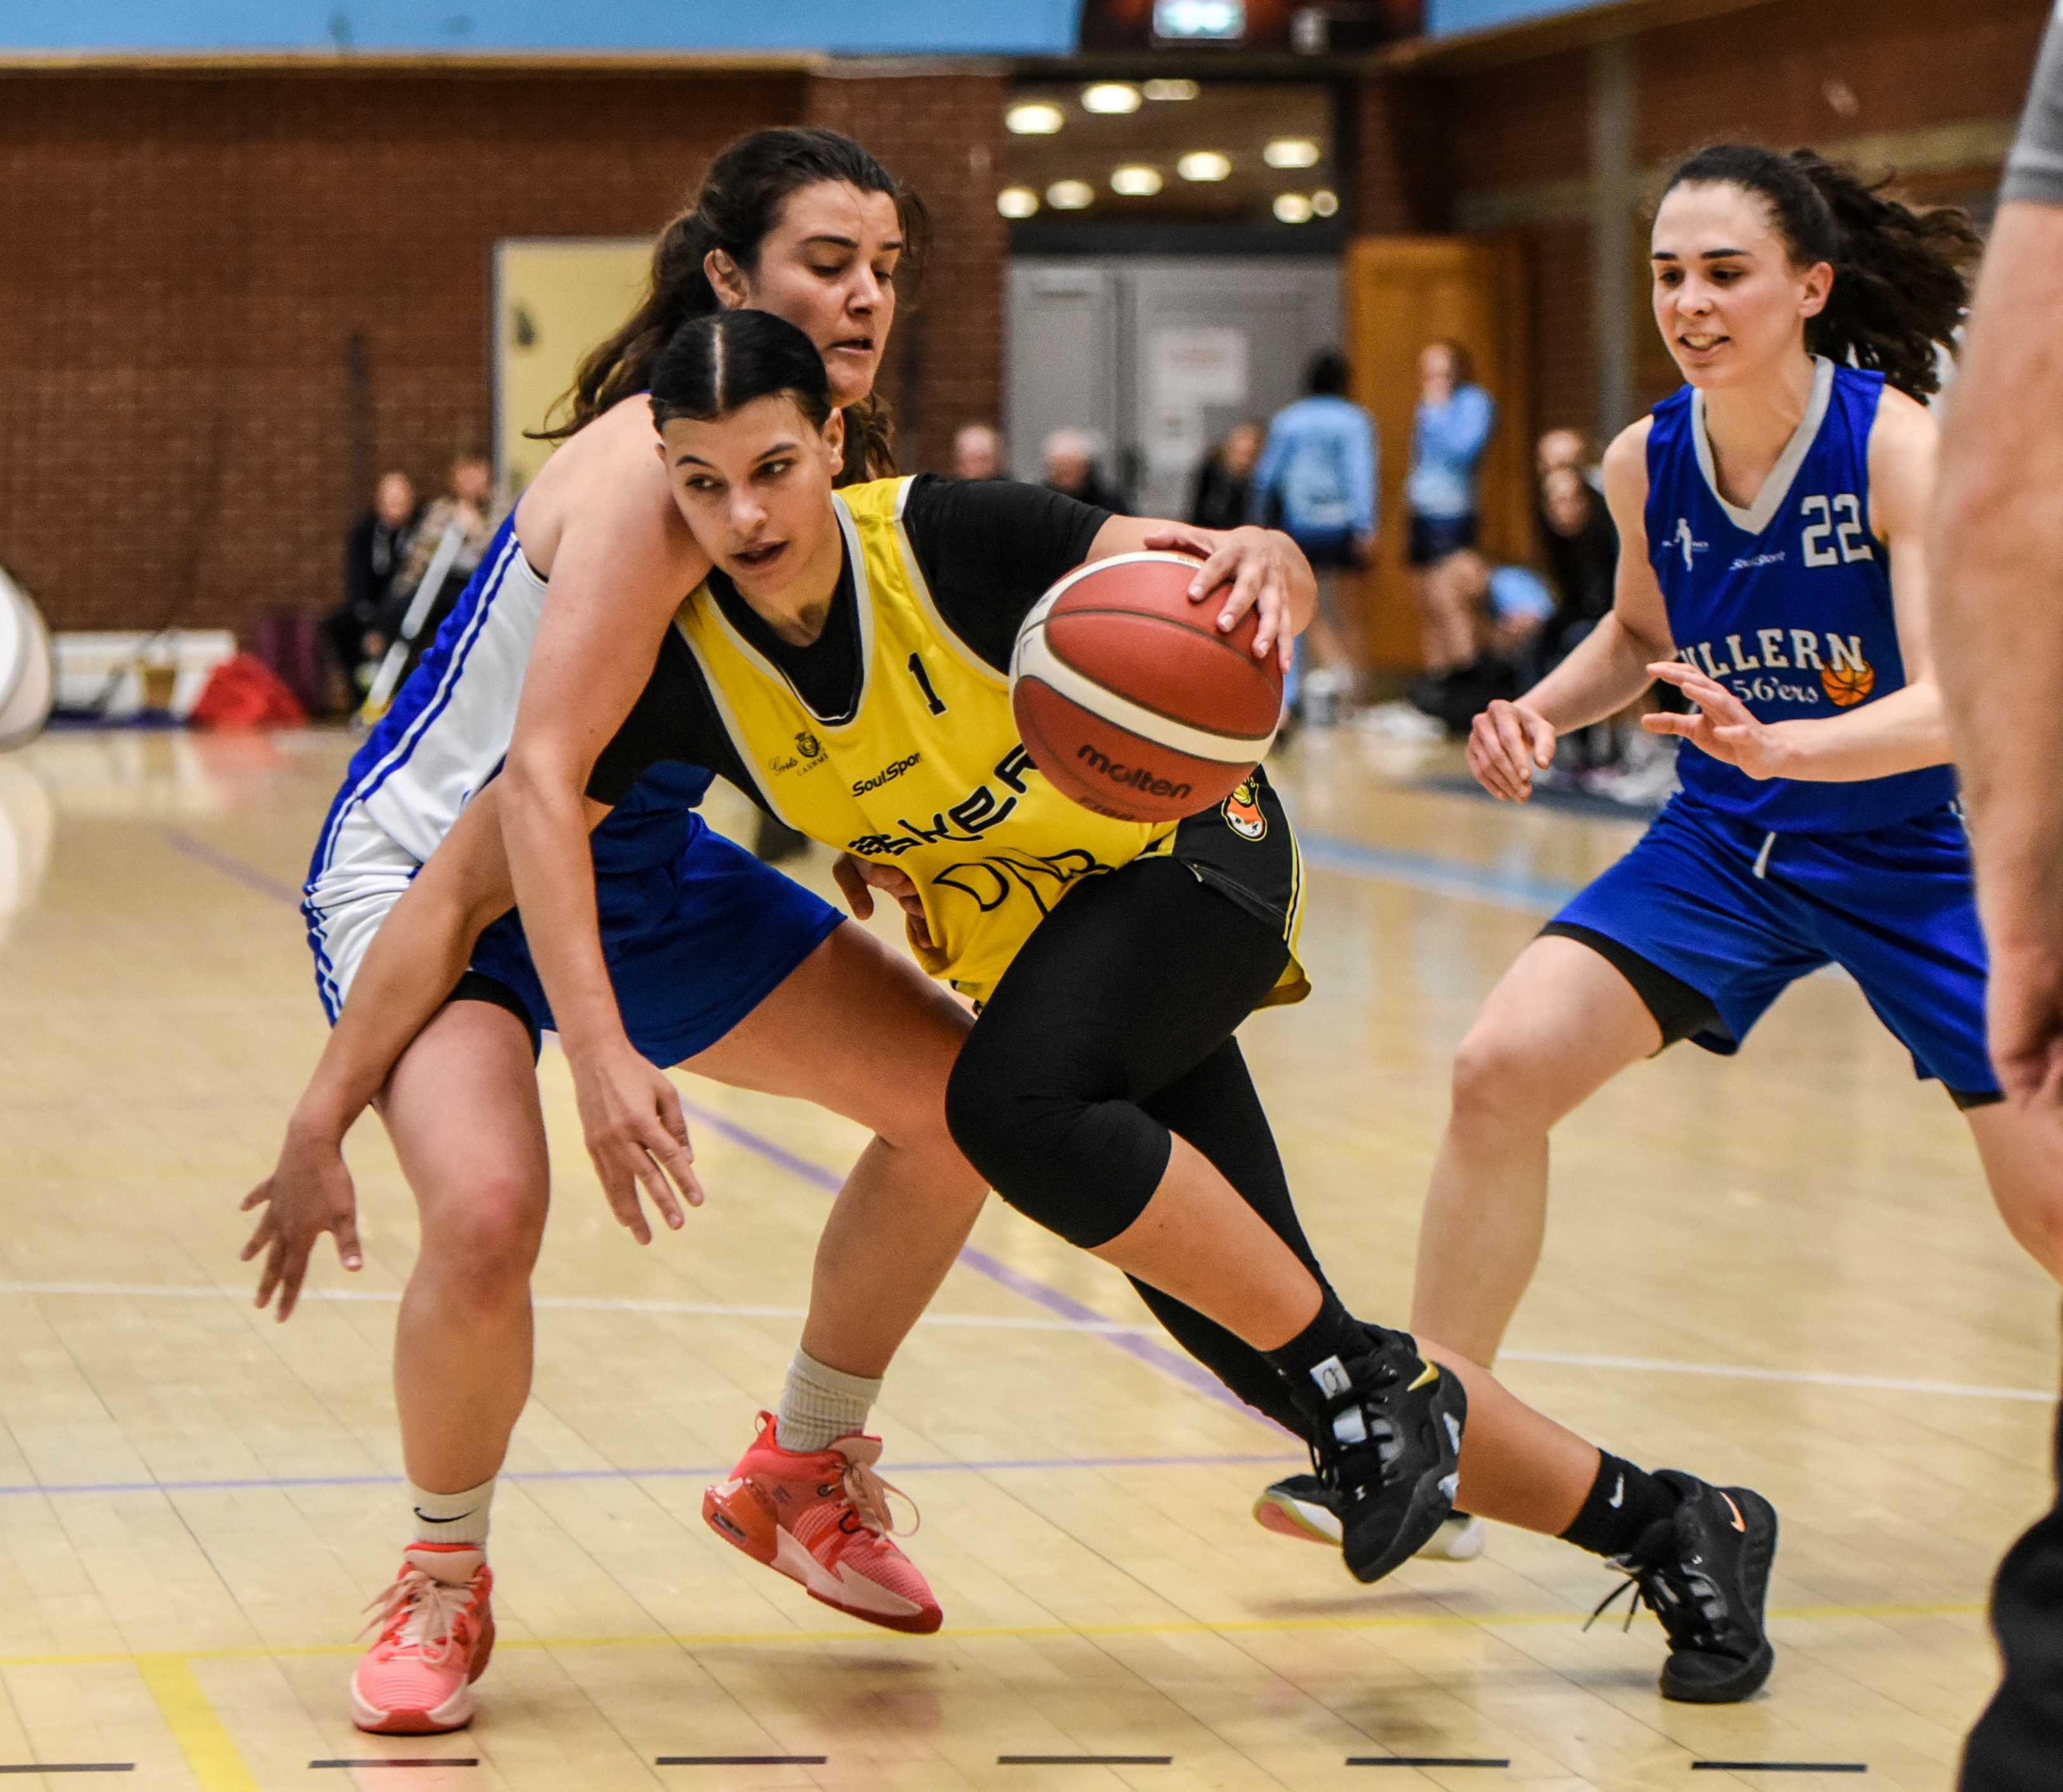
{"x":1221,"y":495}
{"x":1488,"y":620}
{"x":1582,"y":554}
{"x":1071,"y":468}
{"x":977,"y":452}
{"x":450,"y":539}
{"x":1317,"y":473}
{"x":1567,"y":448}
{"x":373,"y":554}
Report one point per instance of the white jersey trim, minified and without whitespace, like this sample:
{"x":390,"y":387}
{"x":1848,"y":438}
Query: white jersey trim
{"x":1759,"y":515}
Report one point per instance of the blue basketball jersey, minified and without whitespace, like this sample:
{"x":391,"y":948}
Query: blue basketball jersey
{"x":1786,"y":603}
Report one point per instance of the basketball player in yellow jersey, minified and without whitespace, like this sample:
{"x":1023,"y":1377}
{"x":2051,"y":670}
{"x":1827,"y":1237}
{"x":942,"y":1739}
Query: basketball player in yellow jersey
{"x":843,"y":664}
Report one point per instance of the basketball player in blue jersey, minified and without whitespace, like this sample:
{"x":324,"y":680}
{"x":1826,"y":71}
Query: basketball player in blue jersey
{"x":1771,"y":516}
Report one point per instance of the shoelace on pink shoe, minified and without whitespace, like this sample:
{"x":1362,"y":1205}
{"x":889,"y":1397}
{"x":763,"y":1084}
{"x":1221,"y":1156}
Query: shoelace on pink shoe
{"x":419,"y":1613}
{"x":870,"y":1495}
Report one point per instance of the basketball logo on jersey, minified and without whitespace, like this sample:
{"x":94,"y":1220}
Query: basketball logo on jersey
{"x":1691,"y":548}
{"x":1848,"y":682}
{"x":1242,"y":812}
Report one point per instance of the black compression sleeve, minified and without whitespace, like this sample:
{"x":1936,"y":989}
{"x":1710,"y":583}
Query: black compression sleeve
{"x":990,"y":548}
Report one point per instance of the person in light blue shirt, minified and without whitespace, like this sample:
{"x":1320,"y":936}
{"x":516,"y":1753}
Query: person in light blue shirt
{"x":1452,"y":427}
{"x":1316,"y":479}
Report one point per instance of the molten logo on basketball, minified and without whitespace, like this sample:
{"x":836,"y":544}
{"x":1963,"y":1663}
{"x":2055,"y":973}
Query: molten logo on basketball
{"x":1243,"y":814}
{"x":1849,"y":685}
{"x":1135,"y":777}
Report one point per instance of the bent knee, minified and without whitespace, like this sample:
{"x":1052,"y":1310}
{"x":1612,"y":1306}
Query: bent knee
{"x":1499,"y":1081}
{"x":487,"y":1236}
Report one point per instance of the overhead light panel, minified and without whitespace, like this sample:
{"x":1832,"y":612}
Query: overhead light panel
{"x":1213,"y":21}
{"x":1110,"y":98}
{"x":1291,"y":152}
{"x":1017,"y":202}
{"x":1070,"y":195}
{"x":1034,"y":118}
{"x":1136,"y":181}
{"x":1325,"y":202}
{"x":1171,"y":89}
{"x":1293,"y":208}
{"x":1204,"y":164}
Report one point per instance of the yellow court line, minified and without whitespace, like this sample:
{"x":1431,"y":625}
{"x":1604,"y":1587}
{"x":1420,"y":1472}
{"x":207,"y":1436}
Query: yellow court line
{"x":768,"y":1639}
{"x":211,"y":1753}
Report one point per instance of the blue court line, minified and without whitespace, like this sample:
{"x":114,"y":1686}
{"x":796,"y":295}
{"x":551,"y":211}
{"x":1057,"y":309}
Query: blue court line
{"x":696,"y":1471}
{"x":1441,"y":877}
{"x":248,"y":876}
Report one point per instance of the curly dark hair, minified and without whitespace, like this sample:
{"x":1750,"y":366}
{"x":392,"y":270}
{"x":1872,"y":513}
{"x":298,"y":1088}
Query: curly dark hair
{"x":1900,"y":279}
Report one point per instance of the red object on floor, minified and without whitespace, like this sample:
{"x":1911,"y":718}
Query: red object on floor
{"x":244,"y":693}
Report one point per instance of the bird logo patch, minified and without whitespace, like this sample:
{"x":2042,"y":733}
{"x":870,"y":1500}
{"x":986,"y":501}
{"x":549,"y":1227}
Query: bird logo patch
{"x":1242,"y":812}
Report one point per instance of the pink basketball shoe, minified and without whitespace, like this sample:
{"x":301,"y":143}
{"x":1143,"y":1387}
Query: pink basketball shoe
{"x":436,"y":1630}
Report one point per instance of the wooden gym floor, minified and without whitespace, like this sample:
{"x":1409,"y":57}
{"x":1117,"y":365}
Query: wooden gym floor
{"x":1782,"y":1270}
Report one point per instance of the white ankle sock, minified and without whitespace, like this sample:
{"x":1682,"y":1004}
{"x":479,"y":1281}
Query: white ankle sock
{"x":451,"y":1517}
{"x":819,"y":1404}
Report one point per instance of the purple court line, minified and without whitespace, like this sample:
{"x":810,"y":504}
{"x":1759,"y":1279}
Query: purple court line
{"x":1062,"y":1305}
{"x":695,"y":1471}
{"x":248,"y":876}
{"x":1190,"y":1374}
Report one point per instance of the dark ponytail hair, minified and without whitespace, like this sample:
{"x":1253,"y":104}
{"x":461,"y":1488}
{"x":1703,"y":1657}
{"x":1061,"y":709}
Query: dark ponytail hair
{"x":714,"y":365}
{"x":1899,"y":285}
{"x":739,"y":203}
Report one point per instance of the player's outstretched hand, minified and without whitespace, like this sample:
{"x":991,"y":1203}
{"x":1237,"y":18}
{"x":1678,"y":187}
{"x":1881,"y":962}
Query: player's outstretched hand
{"x":859,"y":878}
{"x":1507,"y":744}
{"x":637,"y":1136}
{"x":1723,"y":726}
{"x":1256,"y":565}
{"x":309,"y":1193}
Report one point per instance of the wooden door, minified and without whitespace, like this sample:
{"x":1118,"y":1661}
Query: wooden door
{"x":1403,"y":292}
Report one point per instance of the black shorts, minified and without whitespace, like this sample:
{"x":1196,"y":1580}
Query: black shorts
{"x":1246,"y":850}
{"x":1433,"y":539}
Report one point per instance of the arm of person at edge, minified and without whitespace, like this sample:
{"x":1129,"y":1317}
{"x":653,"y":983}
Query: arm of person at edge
{"x":1243,"y":569}
{"x":618,"y":573}
{"x":1607,"y":669}
{"x":1997,"y":597}
{"x":418,"y":956}
{"x":1901,"y":731}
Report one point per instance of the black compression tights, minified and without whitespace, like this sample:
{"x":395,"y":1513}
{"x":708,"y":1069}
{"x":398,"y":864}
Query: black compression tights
{"x":1112,"y":1029}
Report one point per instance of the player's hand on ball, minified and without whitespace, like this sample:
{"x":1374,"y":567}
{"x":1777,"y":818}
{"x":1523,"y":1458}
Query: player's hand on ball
{"x":1257,"y":565}
{"x":1723,"y":726}
{"x":859,"y":878}
{"x":1507,"y":744}
{"x":636,"y":1135}
{"x":309,"y":1193}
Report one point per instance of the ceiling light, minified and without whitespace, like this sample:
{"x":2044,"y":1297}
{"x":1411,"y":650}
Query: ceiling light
{"x":1291,"y":152}
{"x":1204,"y":164}
{"x":1034,"y":118}
{"x":1135,"y":182}
{"x":1070,"y":195}
{"x":1324,"y":202}
{"x":1172,"y":90}
{"x":1110,"y":97}
{"x":1292,"y":208}
{"x":1017,"y":202}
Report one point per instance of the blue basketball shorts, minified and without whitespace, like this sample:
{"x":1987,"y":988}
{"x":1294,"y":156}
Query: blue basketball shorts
{"x":1731,"y":916}
{"x":693,"y":945}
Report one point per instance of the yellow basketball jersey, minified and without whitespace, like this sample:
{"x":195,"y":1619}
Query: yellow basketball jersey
{"x":927,"y":772}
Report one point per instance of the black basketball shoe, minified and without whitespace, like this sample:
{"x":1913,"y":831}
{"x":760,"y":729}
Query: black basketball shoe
{"x":1387,"y":1445}
{"x":1705,"y":1574}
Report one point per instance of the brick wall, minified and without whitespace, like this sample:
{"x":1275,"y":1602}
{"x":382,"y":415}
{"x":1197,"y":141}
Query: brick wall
{"x":187,"y":259}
